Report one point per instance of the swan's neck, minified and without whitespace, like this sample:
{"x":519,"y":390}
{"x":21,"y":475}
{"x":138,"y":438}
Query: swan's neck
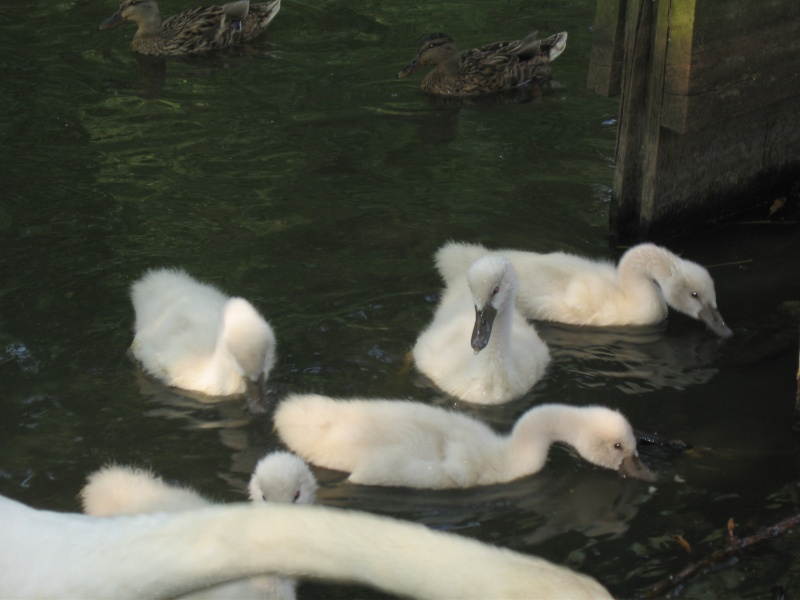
{"x":643,"y":271}
{"x":170,"y":554}
{"x":534,"y":433}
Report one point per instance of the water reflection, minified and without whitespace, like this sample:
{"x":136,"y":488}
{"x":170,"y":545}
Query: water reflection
{"x":634,"y":360}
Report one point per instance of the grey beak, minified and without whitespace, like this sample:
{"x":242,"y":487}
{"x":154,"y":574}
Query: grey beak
{"x":257,"y":395}
{"x":711,"y":317}
{"x":633,"y":467}
{"x":483,"y":327}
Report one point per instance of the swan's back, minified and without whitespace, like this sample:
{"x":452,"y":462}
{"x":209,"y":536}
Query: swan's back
{"x":190,"y":335}
{"x":119,"y":490}
{"x":386,"y":442}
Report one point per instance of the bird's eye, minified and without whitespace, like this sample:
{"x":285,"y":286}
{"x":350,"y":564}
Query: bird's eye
{"x":264,"y":497}
{"x":495,"y":290}
{"x":694,"y":294}
{"x":296,"y":496}
{"x":618,"y":446}
{"x":431,"y":45}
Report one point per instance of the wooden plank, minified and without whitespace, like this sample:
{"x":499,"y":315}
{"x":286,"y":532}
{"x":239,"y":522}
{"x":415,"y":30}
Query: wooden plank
{"x":608,"y":49}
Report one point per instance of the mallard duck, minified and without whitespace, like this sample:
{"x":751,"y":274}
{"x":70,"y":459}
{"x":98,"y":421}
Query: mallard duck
{"x":493,"y":68}
{"x":45,"y":554}
{"x":576,"y":290}
{"x":504,"y":357}
{"x":192,"y":32}
{"x":403,"y":443}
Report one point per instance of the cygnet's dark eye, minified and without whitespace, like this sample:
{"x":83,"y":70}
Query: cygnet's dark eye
{"x":694,"y":295}
{"x":618,"y":446}
{"x":264,"y":497}
{"x":495,"y":290}
{"x":296,"y":496}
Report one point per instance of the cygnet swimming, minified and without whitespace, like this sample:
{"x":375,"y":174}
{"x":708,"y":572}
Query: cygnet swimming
{"x":192,"y":336}
{"x":279,"y":477}
{"x":46,"y":555}
{"x":478,"y":347}
{"x":572,"y":289}
{"x":404,"y":443}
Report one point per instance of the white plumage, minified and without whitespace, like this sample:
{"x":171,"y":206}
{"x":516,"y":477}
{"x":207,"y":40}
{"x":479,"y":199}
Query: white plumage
{"x":478,"y":347}
{"x":46,"y":555}
{"x":192,"y":336}
{"x":279,"y":477}
{"x":572,"y":289}
{"x":398,"y":442}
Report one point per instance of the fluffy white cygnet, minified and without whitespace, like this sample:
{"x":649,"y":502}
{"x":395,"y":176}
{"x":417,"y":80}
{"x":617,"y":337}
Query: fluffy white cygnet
{"x":403,"y":443}
{"x":478,"y":347}
{"x":279,"y":477}
{"x":47,"y":554}
{"x":572,"y":289}
{"x":192,"y":336}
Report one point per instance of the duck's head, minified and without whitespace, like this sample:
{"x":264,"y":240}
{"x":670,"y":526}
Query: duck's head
{"x":251,"y":343}
{"x":493,"y":285}
{"x":142,"y":12}
{"x":433,"y":49}
{"x":690,"y":290}
{"x":606,"y":439}
{"x":282,"y":477}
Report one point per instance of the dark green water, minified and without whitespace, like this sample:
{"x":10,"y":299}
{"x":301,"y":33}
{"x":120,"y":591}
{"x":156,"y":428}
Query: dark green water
{"x":314,"y":183}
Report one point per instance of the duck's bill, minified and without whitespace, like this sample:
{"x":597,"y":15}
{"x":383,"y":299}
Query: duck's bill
{"x":112,"y":21}
{"x":484,"y":319}
{"x":711,"y":317}
{"x":410,"y":68}
{"x":633,"y":467}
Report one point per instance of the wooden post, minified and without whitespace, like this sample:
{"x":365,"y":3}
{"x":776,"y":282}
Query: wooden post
{"x":709,"y":121}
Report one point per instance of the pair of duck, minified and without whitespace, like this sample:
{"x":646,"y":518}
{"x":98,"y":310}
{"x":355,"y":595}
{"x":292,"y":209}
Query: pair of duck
{"x":490,"y":69}
{"x":191,"y":335}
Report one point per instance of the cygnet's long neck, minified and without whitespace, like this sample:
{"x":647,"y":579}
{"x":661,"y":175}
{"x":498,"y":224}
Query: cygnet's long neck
{"x":166,"y":555}
{"x":534,"y":433}
{"x":643,"y":271}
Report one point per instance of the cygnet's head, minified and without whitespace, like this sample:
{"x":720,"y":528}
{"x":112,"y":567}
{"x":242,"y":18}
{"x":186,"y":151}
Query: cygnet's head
{"x":251,"y":342}
{"x":493,"y":284}
{"x":690,"y":289}
{"x":606,"y":439}
{"x":283,"y":477}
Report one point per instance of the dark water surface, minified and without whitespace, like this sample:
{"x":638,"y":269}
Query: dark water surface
{"x":306,"y":178}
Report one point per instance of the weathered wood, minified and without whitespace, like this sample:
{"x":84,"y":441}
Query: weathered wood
{"x":709,"y":120}
{"x":605,"y":63}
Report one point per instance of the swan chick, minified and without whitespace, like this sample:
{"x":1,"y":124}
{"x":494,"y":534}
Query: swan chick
{"x":279,"y":477}
{"x":190,"y":335}
{"x":404,"y":443}
{"x":505,"y":356}
{"x":576,"y":290}
{"x":46,"y":554}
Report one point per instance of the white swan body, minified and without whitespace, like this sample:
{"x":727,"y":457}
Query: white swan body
{"x":397,"y":442}
{"x":278,"y":477}
{"x":46,"y":554}
{"x":576,"y":290}
{"x":190,"y":335}
{"x":505,"y":357}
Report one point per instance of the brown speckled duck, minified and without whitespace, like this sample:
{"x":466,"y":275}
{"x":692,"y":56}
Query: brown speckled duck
{"x":196,"y":31}
{"x":490,"y":69}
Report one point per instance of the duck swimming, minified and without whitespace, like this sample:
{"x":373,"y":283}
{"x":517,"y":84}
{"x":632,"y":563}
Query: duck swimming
{"x":504,"y":357}
{"x":192,"y":336}
{"x":195,"y":31}
{"x":572,"y":289}
{"x":279,"y":477}
{"x":490,"y":69}
{"x":404,"y":443}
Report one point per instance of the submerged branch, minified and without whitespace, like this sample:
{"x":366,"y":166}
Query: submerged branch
{"x":735,"y":544}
